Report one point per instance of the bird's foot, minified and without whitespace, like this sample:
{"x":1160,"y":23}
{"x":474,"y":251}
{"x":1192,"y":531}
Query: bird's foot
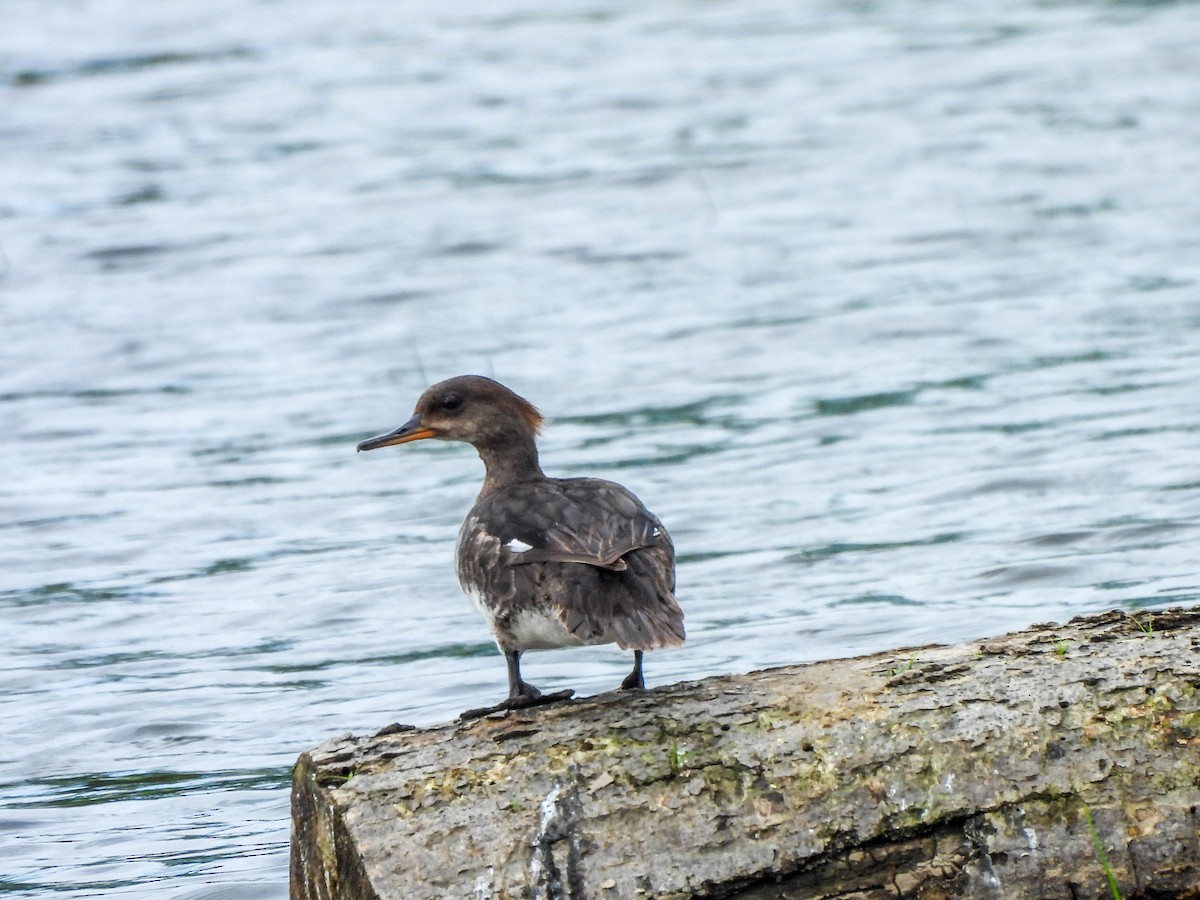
{"x":519,"y":701}
{"x":633,"y":682}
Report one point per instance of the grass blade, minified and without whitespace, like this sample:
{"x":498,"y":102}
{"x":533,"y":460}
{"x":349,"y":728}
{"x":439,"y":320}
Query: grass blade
{"x":1112,"y":882}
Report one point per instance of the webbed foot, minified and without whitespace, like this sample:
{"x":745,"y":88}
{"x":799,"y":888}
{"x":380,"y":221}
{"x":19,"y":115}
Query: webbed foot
{"x":634,"y":681}
{"x":520,"y":701}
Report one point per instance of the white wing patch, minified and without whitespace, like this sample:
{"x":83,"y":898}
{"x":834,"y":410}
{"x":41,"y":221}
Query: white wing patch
{"x":516,"y":545}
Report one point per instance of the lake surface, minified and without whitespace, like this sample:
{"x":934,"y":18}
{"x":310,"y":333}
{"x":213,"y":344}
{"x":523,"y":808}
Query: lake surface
{"x":890,"y":311}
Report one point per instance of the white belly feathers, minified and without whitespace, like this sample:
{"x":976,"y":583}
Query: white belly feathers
{"x":534,"y":629}
{"x":539,"y":630}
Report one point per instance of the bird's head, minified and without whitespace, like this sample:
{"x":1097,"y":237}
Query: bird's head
{"x":469,"y":408}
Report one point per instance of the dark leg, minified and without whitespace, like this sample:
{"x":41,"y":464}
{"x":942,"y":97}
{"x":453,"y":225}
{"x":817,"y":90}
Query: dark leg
{"x":517,"y":689}
{"x":634,"y":681}
{"x":520,"y":693}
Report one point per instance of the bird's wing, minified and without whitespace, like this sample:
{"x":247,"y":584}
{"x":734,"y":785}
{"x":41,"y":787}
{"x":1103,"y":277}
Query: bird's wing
{"x":623,"y":591}
{"x":575,"y":520}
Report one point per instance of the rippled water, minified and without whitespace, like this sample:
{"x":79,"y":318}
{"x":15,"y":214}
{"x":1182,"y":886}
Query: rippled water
{"x":889,"y":310}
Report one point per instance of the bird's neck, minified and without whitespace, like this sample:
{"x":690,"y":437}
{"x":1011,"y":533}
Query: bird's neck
{"x":511,"y":463}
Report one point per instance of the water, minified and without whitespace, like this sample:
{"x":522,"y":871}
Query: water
{"x":889,"y":310}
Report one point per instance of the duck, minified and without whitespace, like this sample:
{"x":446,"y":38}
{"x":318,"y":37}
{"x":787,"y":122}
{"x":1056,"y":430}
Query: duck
{"x":548,"y":562}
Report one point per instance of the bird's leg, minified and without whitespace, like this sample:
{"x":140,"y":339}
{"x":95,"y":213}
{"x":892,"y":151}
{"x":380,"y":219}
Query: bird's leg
{"x":520,"y":693}
{"x":634,"y":681}
{"x":518,"y":689}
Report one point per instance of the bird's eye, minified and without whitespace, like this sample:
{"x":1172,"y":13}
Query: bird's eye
{"x":450,"y":402}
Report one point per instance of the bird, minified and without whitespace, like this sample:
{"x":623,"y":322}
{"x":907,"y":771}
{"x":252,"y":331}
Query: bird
{"x":549,"y":562}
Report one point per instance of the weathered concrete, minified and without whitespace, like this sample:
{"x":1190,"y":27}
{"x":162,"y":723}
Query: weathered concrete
{"x":932,"y":772}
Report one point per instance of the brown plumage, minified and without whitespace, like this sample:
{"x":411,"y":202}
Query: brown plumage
{"x":550,"y":562}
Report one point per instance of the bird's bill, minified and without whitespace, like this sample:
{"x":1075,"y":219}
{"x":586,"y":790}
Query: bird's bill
{"x":412,"y":430}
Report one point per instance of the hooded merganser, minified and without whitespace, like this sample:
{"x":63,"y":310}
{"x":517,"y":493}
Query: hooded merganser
{"x":550,"y":562}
